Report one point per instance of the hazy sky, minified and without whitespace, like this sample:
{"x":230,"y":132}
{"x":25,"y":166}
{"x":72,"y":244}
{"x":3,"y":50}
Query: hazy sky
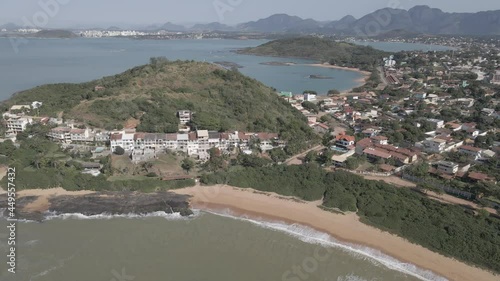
{"x":108,"y":12}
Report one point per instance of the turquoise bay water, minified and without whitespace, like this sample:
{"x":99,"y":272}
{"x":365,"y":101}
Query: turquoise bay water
{"x":206,"y":247}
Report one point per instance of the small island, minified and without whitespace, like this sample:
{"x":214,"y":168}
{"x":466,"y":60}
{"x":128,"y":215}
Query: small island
{"x":315,"y":76}
{"x":278,"y":63}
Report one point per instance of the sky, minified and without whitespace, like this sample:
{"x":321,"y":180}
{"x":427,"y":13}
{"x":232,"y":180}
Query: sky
{"x":104,"y":13}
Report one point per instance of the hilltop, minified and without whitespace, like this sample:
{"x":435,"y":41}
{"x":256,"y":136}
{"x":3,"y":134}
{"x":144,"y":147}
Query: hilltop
{"x":323,"y":50}
{"x":152,"y":94}
{"x":54,"y":34}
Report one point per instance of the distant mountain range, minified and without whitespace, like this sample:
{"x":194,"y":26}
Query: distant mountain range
{"x":419,"y":19}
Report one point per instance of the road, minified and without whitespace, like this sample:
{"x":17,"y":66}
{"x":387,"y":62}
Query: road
{"x":382,"y":77}
{"x":295,"y":159}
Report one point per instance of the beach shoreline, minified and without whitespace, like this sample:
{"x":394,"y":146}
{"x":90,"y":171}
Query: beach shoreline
{"x":361,"y":81}
{"x":271,"y":207}
{"x":346,"y":228}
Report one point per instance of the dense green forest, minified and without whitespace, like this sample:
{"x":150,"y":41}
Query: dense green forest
{"x":323,"y":50}
{"x":444,"y":228}
{"x":153,"y":93}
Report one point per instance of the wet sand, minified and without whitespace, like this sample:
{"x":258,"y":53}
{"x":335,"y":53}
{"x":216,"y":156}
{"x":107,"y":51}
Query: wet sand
{"x":346,"y":228}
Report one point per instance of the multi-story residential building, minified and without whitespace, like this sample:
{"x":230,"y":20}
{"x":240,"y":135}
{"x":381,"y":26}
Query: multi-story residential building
{"x":448,"y":167}
{"x":471,"y":151}
{"x":184,"y":116}
{"x":60,"y":134}
{"x":81,"y":135}
{"x":434,"y":145}
{"x":345,"y":141}
{"x":17,"y":124}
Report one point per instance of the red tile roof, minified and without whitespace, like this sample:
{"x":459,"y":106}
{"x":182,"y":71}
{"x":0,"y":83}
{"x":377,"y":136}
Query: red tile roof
{"x":479,"y":176}
{"x":377,"y":153}
{"x":470,"y":148}
{"x":366,"y":142}
{"x":115,"y":137}
{"x":345,"y":137}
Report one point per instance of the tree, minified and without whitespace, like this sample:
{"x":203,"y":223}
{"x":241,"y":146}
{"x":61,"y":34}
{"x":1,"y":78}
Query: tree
{"x":352,"y":163}
{"x":333,"y":92}
{"x":187,"y":164}
{"x":119,"y":150}
{"x":278,"y":155}
{"x":311,"y":156}
{"x":327,"y":138}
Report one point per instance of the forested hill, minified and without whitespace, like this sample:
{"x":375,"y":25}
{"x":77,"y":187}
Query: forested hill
{"x":151,"y":94}
{"x":322,"y":50}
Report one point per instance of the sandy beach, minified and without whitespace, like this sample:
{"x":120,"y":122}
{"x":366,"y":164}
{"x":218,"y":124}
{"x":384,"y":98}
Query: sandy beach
{"x":346,"y":228}
{"x":361,"y":81}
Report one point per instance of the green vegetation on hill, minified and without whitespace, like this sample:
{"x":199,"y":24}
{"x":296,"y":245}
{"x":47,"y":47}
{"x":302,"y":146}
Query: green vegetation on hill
{"x":323,"y":50}
{"x":56,"y":33}
{"x":444,"y":228}
{"x":221,"y":99}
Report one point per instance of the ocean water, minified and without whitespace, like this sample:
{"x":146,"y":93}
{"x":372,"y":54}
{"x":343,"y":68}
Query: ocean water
{"x":34,"y":62}
{"x":42,"y":61}
{"x":205,"y":247}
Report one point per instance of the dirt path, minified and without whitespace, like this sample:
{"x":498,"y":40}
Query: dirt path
{"x":444,"y":198}
{"x":295,"y":159}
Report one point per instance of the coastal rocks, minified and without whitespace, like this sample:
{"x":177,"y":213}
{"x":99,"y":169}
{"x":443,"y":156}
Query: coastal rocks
{"x":121,"y":203}
{"x":109,"y":203}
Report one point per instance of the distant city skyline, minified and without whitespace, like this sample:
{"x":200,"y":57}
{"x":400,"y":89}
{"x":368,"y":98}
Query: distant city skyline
{"x":128,"y":13}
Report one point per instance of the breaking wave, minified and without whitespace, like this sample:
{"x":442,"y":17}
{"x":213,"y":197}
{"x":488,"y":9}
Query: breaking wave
{"x":312,"y":236}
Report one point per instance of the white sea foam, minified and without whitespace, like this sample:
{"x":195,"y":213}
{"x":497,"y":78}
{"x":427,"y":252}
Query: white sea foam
{"x":79,"y":216}
{"x":312,"y":236}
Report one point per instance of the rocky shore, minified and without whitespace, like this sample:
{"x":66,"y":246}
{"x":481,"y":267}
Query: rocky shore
{"x":36,"y":208}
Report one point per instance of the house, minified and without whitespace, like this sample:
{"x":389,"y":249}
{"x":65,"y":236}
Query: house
{"x":471,"y":151}
{"x":376,"y":154}
{"x":447,"y":167}
{"x":454,"y":126}
{"x":436,"y":123}
{"x":311,"y":119}
{"x":362,"y":145}
{"x":370,"y":132}
{"x":345,"y":141}
{"x":380,"y":140}
{"x":267,"y":140}
{"x":321,"y":128}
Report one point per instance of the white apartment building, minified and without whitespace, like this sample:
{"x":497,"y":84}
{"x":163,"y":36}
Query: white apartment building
{"x":184,"y":116}
{"x":17,"y":124}
{"x":81,"y":135}
{"x":448,"y":167}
